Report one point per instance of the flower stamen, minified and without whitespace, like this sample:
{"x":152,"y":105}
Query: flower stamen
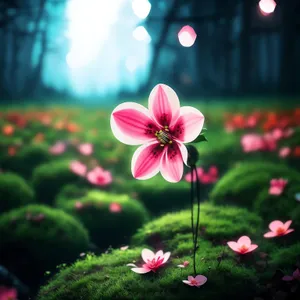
{"x":163,"y":136}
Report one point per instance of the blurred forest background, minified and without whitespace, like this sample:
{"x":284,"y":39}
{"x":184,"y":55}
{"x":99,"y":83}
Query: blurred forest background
{"x":100,"y":49}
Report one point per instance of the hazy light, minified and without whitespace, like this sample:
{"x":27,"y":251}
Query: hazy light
{"x":187,"y":36}
{"x":141,"y":34}
{"x":131,"y":64}
{"x":141,"y":8}
{"x":267,"y":6}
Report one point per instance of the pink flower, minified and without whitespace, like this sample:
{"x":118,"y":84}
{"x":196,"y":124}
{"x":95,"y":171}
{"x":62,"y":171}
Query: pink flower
{"x":295,"y":276}
{"x":243,"y":245}
{"x":278,"y":229}
{"x":252,"y":142}
{"x":78,"y":168}
{"x":99,"y":176}
{"x":123,"y":248}
{"x":152,"y":261}
{"x":162,"y":130}
{"x":115,"y":207}
{"x":8,"y":293}
{"x":277,"y":186}
{"x":185,"y":264}
{"x":277,"y":134}
{"x":197,"y":281}
{"x":288,"y":132}
{"x":78,"y":205}
{"x":284,"y":152}
{"x":86,"y":149}
{"x":208,"y":177}
{"x":269,"y":142}
{"x":58,"y":148}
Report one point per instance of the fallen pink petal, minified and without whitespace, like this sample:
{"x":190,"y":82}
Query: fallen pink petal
{"x":115,"y":208}
{"x":86,"y":149}
{"x":243,"y":245}
{"x":58,"y":148}
{"x":99,"y":176}
{"x":196,"y":281}
{"x":183,"y":265}
{"x":277,"y":186}
{"x":78,"y":168}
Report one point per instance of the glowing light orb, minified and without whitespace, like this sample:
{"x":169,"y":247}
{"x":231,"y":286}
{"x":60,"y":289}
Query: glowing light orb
{"x":267,"y":6}
{"x":131,"y":64}
{"x":141,"y":34}
{"x":187,"y":36}
{"x":141,"y":8}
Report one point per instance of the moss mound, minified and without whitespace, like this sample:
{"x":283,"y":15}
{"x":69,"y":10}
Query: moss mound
{"x":14,"y":192}
{"x":158,"y":195}
{"x":217,"y":223}
{"x":280,"y":207}
{"x":35,"y":238}
{"x":27,"y":159}
{"x":108,"y":277}
{"x":70,"y":192}
{"x":49,"y":178}
{"x":242,"y":184}
{"x":110,"y":218}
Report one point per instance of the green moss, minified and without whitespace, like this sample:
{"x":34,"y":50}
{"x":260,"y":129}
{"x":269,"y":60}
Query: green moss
{"x":70,"y":192}
{"x":14,"y":192}
{"x":49,"y":178}
{"x":106,"y":227}
{"x":108,"y":277}
{"x":295,"y":216}
{"x":217,"y":223}
{"x":157,"y":194}
{"x":36,"y":238}
{"x":281,"y":207}
{"x":287,"y":257}
{"x":242,"y":184}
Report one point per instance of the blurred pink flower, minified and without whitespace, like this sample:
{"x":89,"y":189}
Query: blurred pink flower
{"x":185,"y":264}
{"x":162,"y":129}
{"x":123,"y":248}
{"x":252,"y":142}
{"x":277,"y":133}
{"x":8,"y":293}
{"x":269,"y":142}
{"x":197,"y":281}
{"x":86,"y":149}
{"x":58,"y":148}
{"x":115,"y":207}
{"x":152,"y":261}
{"x":288,"y":132}
{"x":295,"y":276}
{"x":208,"y":177}
{"x":278,"y":229}
{"x":243,"y":245}
{"x":99,"y":176}
{"x":38,"y":218}
{"x":277,"y":186}
{"x":78,"y":168}
{"x":284,"y":152}
{"x":78,"y":205}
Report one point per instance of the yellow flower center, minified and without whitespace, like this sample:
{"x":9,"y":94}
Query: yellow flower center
{"x":164,"y":136}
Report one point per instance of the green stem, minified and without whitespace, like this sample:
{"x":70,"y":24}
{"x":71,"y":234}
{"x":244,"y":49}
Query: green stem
{"x":198,"y":212}
{"x":192,"y":217}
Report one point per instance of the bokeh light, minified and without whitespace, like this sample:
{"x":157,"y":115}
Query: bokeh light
{"x":141,"y":34}
{"x":267,"y":6}
{"x":187,"y":36}
{"x":141,"y":8}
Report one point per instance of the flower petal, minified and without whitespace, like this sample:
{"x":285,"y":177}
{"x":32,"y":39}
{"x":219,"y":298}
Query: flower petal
{"x":147,"y":255}
{"x":131,"y":265}
{"x":200,"y":279}
{"x":131,"y":124}
{"x":164,"y":105}
{"x":187,"y":282}
{"x":166,"y":256}
{"x":244,"y":240}
{"x":270,"y":234}
{"x":287,"y":224}
{"x":184,"y":152}
{"x":287,"y":278}
{"x":171,"y":166}
{"x":275,"y":224}
{"x":189,"y":124}
{"x":146,"y":160}
{"x":288,"y":231}
{"x":190,"y":278}
{"x":251,"y":248}
{"x":159,"y":253}
{"x":141,"y":270}
{"x":234,"y":246}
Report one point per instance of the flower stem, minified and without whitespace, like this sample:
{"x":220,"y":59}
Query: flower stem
{"x":198,"y":215}
{"x":192,"y":216}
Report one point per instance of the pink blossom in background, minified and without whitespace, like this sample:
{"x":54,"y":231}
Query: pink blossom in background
{"x":288,"y":132}
{"x":267,"y":6}
{"x":243,"y":245}
{"x":58,"y":148}
{"x":123,"y":248}
{"x":8,"y":293}
{"x":195,"y":281}
{"x":278,"y":229}
{"x":99,"y":176}
{"x":86,"y":149}
{"x":269,"y":142}
{"x":153,"y":261}
{"x":184,"y":264}
{"x":277,"y":186}
{"x":78,"y":205}
{"x":208,"y":177}
{"x":252,"y":142}
{"x":277,"y":133}
{"x":284,"y":152}
{"x":78,"y":168}
{"x":162,"y":129}
{"x":115,"y":207}
{"x":295,"y":276}
{"x":187,"y":36}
